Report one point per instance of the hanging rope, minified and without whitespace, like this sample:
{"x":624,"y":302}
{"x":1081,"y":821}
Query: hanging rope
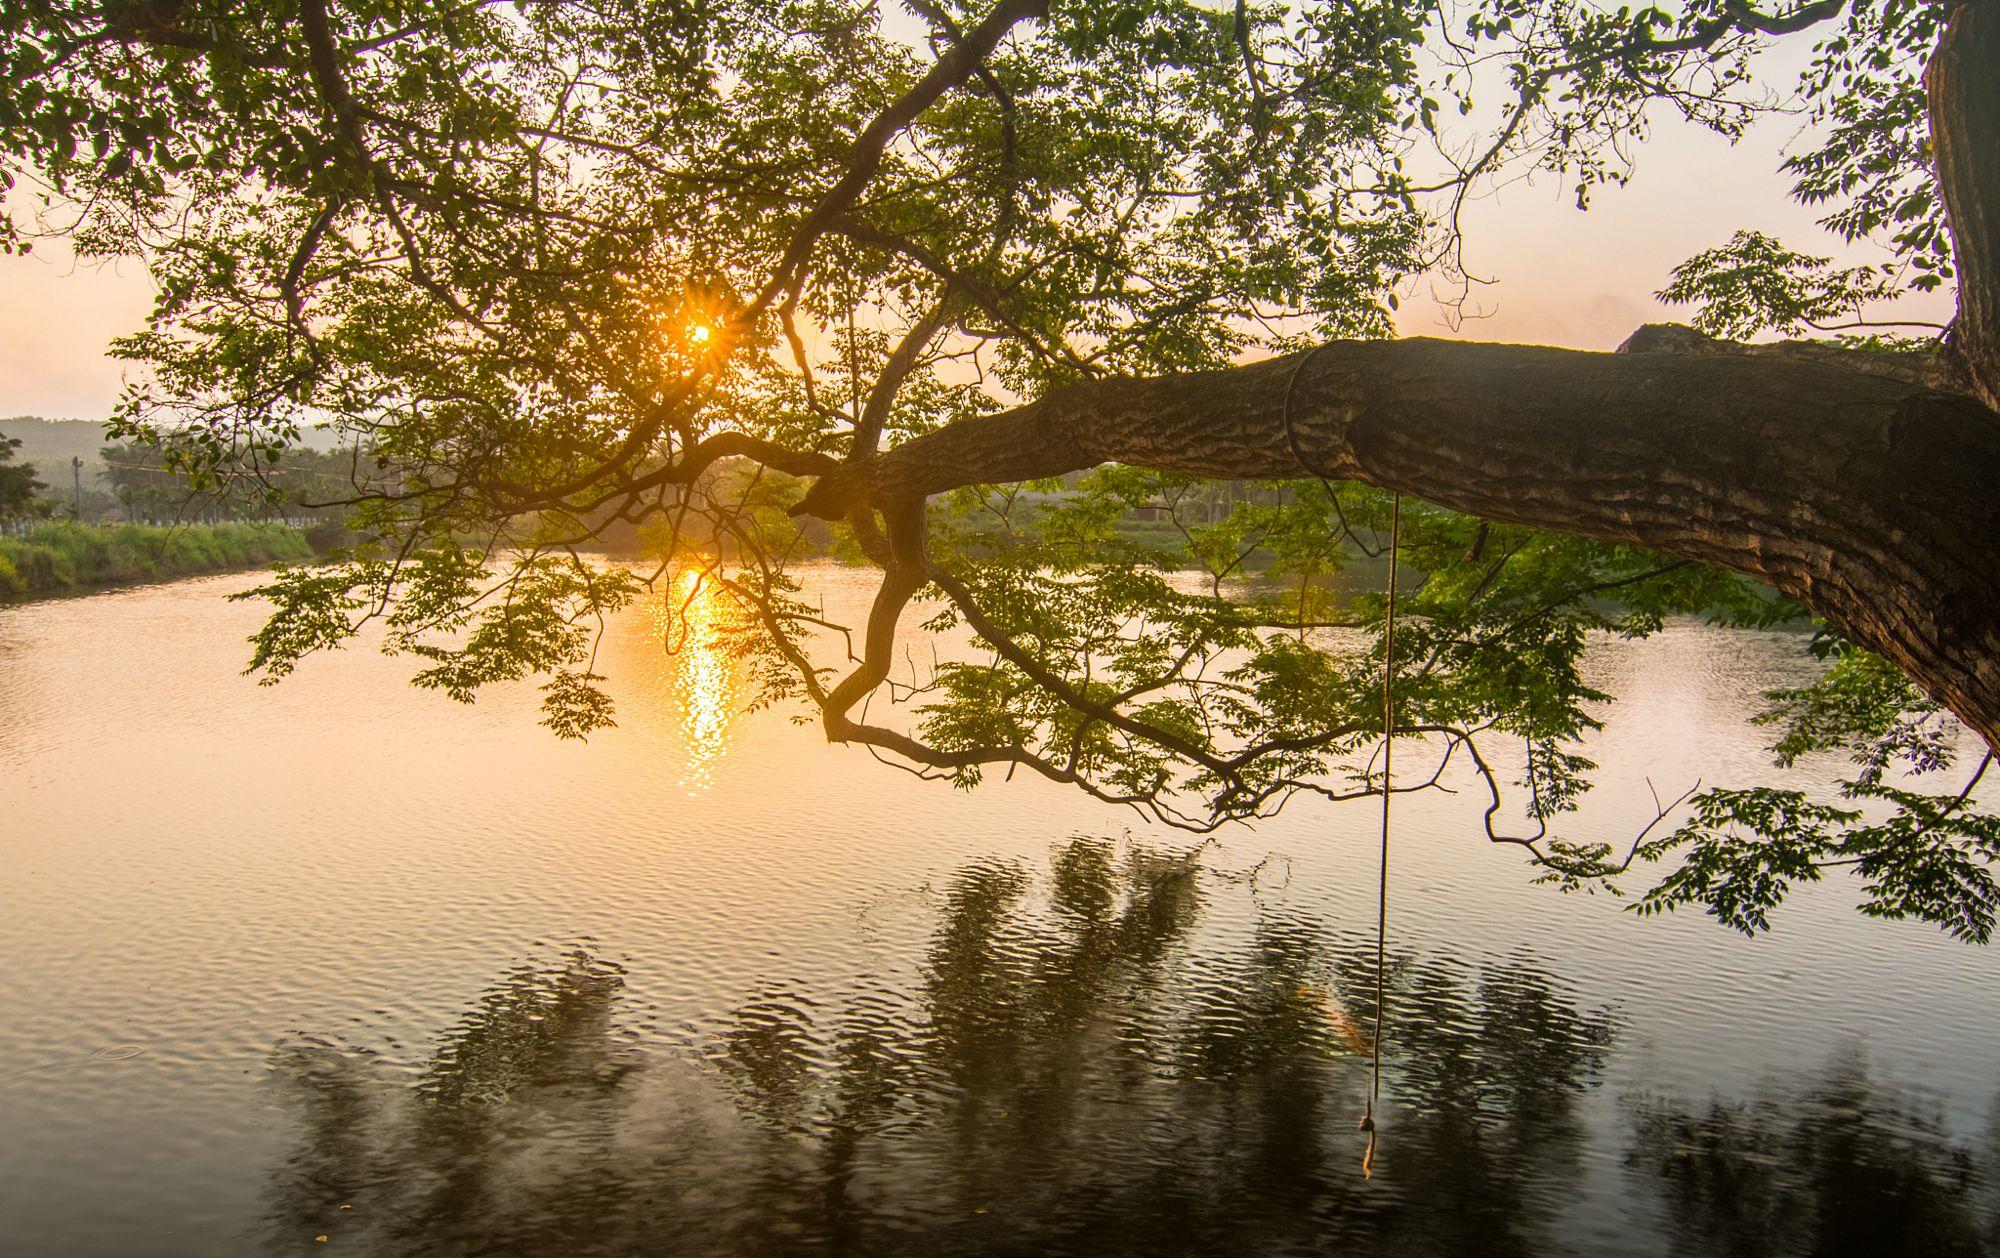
{"x":1382,"y":885}
{"x":1388,"y":750}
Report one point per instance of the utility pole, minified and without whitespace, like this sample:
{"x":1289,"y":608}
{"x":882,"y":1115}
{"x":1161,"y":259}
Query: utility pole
{"x":76,"y":476}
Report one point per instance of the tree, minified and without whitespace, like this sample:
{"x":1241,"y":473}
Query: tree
{"x":18,"y":485}
{"x":557,"y":264}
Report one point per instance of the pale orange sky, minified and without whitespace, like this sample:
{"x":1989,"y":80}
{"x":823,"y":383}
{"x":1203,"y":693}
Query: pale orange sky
{"x":1563,"y":277}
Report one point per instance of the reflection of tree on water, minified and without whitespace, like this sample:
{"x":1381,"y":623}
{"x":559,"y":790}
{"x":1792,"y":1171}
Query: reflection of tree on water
{"x":456,"y":1158}
{"x":1086,"y":1063}
{"x":1840,"y":1166}
{"x":1077,"y":1072}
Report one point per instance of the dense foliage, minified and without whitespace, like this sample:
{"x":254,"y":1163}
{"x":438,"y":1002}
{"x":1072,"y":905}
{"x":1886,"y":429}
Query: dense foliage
{"x":18,"y":485}
{"x":561,"y":266}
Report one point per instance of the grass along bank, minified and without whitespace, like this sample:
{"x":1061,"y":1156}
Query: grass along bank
{"x":61,"y":557}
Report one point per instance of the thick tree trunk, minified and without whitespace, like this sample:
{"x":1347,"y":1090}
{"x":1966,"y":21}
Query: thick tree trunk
{"x":1963,"y":86}
{"x":1873,"y":500}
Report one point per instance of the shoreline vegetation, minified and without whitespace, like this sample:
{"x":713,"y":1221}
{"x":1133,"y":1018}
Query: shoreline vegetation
{"x":63,"y":557}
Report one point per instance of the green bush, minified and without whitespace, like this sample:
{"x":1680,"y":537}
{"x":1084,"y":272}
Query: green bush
{"x":61,"y":555}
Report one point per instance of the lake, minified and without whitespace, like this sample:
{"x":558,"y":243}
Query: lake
{"x":343,"y":966}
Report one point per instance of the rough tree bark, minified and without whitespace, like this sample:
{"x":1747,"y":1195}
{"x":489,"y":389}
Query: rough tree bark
{"x":1963,"y":86}
{"x":1873,"y":501}
{"x":1866,"y":488}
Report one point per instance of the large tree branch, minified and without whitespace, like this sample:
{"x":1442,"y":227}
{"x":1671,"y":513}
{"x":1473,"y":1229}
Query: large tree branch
{"x":1963,"y":86}
{"x":1837,"y":481}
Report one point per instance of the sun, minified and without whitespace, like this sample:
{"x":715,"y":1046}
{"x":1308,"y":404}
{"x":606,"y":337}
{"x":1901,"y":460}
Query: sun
{"x":696,"y":326}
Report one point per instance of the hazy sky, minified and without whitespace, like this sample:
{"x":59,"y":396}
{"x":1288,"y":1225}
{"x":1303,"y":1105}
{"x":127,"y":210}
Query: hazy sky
{"x":1563,"y":277}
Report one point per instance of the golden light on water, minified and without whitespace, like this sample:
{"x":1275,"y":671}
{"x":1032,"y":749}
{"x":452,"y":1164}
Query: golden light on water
{"x":694,"y":618}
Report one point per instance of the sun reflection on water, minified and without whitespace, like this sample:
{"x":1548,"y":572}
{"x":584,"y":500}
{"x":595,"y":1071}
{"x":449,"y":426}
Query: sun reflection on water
{"x":694,"y":619}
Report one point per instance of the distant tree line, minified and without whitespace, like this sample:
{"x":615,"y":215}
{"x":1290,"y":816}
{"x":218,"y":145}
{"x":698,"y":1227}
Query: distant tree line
{"x":301,"y":485}
{"x":136,"y":482}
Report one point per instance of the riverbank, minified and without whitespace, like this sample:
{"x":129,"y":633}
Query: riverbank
{"x":63,"y":558}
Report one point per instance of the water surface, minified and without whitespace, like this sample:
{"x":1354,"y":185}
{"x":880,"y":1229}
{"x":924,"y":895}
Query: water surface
{"x":340,"y":965}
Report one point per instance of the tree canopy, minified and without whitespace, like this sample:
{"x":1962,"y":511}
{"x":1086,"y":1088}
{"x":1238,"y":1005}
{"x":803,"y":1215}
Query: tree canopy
{"x":725,"y":266}
{"x":18,"y":485}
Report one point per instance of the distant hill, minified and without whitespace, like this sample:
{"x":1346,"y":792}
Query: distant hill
{"x":50,"y":444}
